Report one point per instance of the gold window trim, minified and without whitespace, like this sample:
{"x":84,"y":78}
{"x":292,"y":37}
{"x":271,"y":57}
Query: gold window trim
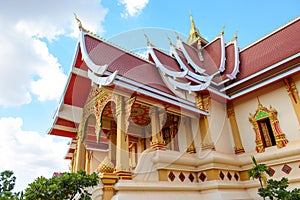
{"x":263,"y":113}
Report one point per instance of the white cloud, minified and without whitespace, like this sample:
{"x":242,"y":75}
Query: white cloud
{"x":27,"y":68}
{"x":29,"y":154}
{"x":133,"y":7}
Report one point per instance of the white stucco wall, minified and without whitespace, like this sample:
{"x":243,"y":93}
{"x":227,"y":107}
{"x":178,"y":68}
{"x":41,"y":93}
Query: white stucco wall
{"x":219,"y":127}
{"x":274,"y":95}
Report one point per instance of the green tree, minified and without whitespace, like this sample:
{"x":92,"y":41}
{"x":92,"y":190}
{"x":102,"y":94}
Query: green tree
{"x":61,"y":187}
{"x":278,"y":190}
{"x":272,"y":189}
{"x":7,"y":184}
{"x":258,"y":171}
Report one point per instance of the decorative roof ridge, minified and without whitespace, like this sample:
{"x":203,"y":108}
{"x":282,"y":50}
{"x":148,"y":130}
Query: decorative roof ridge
{"x":94,"y":35}
{"x":290,"y":22}
{"x":163,"y":52}
{"x":215,"y":38}
{"x":232,"y":41}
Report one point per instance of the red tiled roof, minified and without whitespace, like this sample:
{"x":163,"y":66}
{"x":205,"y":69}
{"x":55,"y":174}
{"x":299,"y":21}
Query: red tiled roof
{"x":128,"y":66}
{"x":192,"y":53}
{"x":229,"y":64}
{"x":168,"y":61}
{"x":276,"y":47}
{"x":184,"y":60}
{"x":212,"y":56}
{"x":77,"y":91}
{"x":64,"y":122}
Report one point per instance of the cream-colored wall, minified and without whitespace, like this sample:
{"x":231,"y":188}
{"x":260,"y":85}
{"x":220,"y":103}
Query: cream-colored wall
{"x":219,"y":128}
{"x":96,"y":159}
{"x":274,"y":95}
{"x":181,"y":137}
{"x":196,"y":134}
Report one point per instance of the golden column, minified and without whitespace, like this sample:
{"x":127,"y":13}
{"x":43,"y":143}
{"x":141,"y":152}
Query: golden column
{"x":80,"y":156}
{"x":238,"y":147}
{"x":88,"y":157}
{"x":203,"y":102}
{"x":189,"y":135}
{"x":122,"y":153}
{"x":293,"y":93}
{"x":157,"y":135}
{"x":205,"y":134}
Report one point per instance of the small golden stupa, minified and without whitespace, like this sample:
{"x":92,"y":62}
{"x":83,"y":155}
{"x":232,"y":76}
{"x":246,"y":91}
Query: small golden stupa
{"x":106,"y":166}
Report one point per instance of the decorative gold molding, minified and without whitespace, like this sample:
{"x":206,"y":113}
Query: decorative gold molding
{"x":263,"y":113}
{"x":207,"y":142}
{"x":189,"y":135}
{"x":203,"y":101}
{"x":292,"y":90}
{"x":157,"y":141}
{"x":238,"y":147}
{"x":95,"y":104}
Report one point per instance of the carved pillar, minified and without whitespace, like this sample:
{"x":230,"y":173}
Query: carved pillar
{"x":293,"y":93}
{"x":112,"y":142}
{"x":73,"y":162}
{"x":205,"y":134}
{"x":157,"y":135}
{"x":123,"y":109}
{"x":189,"y":135}
{"x":203,"y":103}
{"x":88,"y":157}
{"x":238,"y":147}
{"x":80,"y":156}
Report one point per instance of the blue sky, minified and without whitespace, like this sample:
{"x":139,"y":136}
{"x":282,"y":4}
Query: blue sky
{"x":38,"y":42}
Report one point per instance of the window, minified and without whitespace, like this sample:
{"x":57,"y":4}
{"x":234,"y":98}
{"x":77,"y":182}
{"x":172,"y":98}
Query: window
{"x":266,"y":127}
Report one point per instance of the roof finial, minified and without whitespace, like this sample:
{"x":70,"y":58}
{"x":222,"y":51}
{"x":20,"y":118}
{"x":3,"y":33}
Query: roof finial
{"x":194,"y":32}
{"x":223,"y":30}
{"x":78,"y":21}
{"x":176,"y":35}
{"x":192,"y":21}
{"x":170,"y":41}
{"x":147,"y":38}
{"x":235,"y":34}
{"x":259,"y":104}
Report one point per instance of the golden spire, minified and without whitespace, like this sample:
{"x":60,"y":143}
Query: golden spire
{"x":193,"y":27}
{"x":259,"y":104}
{"x":194,"y":32}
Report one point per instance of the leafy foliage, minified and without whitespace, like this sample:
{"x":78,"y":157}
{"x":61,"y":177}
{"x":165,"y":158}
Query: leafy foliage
{"x":258,"y":171}
{"x":61,"y":187}
{"x":65,"y":186}
{"x":278,"y":190}
{"x":273,"y":189}
{"x":7,"y":184}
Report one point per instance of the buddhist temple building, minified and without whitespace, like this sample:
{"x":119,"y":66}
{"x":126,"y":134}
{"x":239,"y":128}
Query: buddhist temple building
{"x":183,"y":124}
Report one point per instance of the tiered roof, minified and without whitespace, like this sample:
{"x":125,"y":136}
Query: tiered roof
{"x":178,"y":77}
